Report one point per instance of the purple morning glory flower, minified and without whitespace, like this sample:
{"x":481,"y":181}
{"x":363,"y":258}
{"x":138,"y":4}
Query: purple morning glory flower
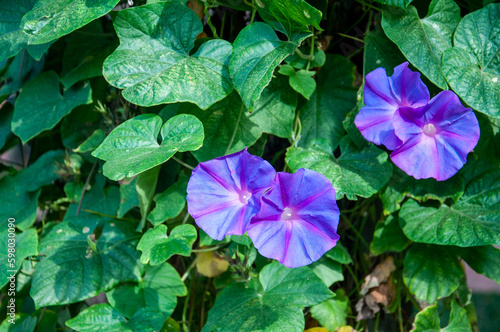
{"x":437,"y":137}
{"x":223,"y":194}
{"x":298,"y":219}
{"x":383,"y":95}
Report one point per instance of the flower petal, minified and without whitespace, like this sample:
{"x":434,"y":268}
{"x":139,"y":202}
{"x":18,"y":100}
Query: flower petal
{"x":408,"y":86}
{"x":383,"y":96}
{"x":223,"y":194}
{"x":311,"y":227}
{"x":438,"y":155}
{"x":375,"y":124}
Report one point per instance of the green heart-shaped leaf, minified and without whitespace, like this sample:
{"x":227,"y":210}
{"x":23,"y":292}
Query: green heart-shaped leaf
{"x":428,"y":320}
{"x":170,"y":203}
{"x":12,"y":37}
{"x":472,"y":66}
{"x":360,"y":173}
{"x":473,"y":221}
{"x":484,"y":260}
{"x":132,"y":147}
{"x":42,"y":95}
{"x":423,"y":41}
{"x":49,"y":20}
{"x":323,"y":114}
{"x":26,"y":245}
{"x":157,"y":247}
{"x":272,"y":303}
{"x":72,"y":271}
{"x":158,"y":289}
{"x":229,"y":128}
{"x":153,"y":63}
{"x":332,"y":313}
{"x":102,"y":317}
{"x":431,"y":272}
{"x":291,"y":17}
{"x":257,"y":52}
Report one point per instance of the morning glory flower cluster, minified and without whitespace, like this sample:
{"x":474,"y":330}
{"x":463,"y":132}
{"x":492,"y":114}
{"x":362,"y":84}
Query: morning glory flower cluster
{"x":292,"y":218}
{"x":430,"y":137}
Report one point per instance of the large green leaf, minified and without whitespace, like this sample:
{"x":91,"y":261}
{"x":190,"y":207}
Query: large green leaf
{"x":323,"y":114}
{"x":146,"y":187}
{"x":228,"y":127}
{"x":473,"y":221}
{"x":41,"y":173}
{"x":74,"y":269}
{"x":92,"y":142}
{"x":12,"y":37}
{"x":170,"y":203}
{"x":428,"y":320}
{"x":49,"y":20}
{"x":19,"y":203}
{"x":484,"y":260}
{"x":360,"y":173}
{"x":25,"y":245}
{"x":257,"y":52}
{"x":423,"y":41}
{"x":153,"y":63}
{"x":332,"y":313}
{"x":128,"y":197}
{"x":472,"y":66}
{"x":431,"y":272}
{"x":388,"y":236}
{"x":274,"y":112}
{"x":85,"y":53}
{"x":380,"y":51}
{"x":328,"y":270}
{"x":272,"y":303}
{"x":157,"y":247}
{"x":23,"y":323}
{"x":339,"y":254}
{"x":132,"y":147}
{"x":40,"y":105}
{"x":158,"y":289}
{"x":102,"y":317}
{"x":291,"y":17}
{"x":19,"y":193}
{"x":401,"y":185}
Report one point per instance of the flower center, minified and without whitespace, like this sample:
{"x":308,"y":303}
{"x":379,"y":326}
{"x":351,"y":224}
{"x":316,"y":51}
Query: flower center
{"x":429,"y":129}
{"x":287,"y":214}
{"x":245,"y":196}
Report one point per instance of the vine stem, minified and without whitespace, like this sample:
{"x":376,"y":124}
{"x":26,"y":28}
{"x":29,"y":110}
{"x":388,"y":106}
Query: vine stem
{"x":350,"y":37}
{"x":207,"y":249}
{"x":307,"y":57}
{"x":40,"y":318}
{"x":185,"y":218}
{"x":311,"y":51}
{"x":209,"y":21}
{"x":235,"y":130}
{"x":188,"y":271}
{"x":182,"y":163}
{"x":84,"y":188}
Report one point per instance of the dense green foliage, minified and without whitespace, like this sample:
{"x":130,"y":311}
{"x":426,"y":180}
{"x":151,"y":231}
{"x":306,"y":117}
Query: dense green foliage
{"x":106,"y":106}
